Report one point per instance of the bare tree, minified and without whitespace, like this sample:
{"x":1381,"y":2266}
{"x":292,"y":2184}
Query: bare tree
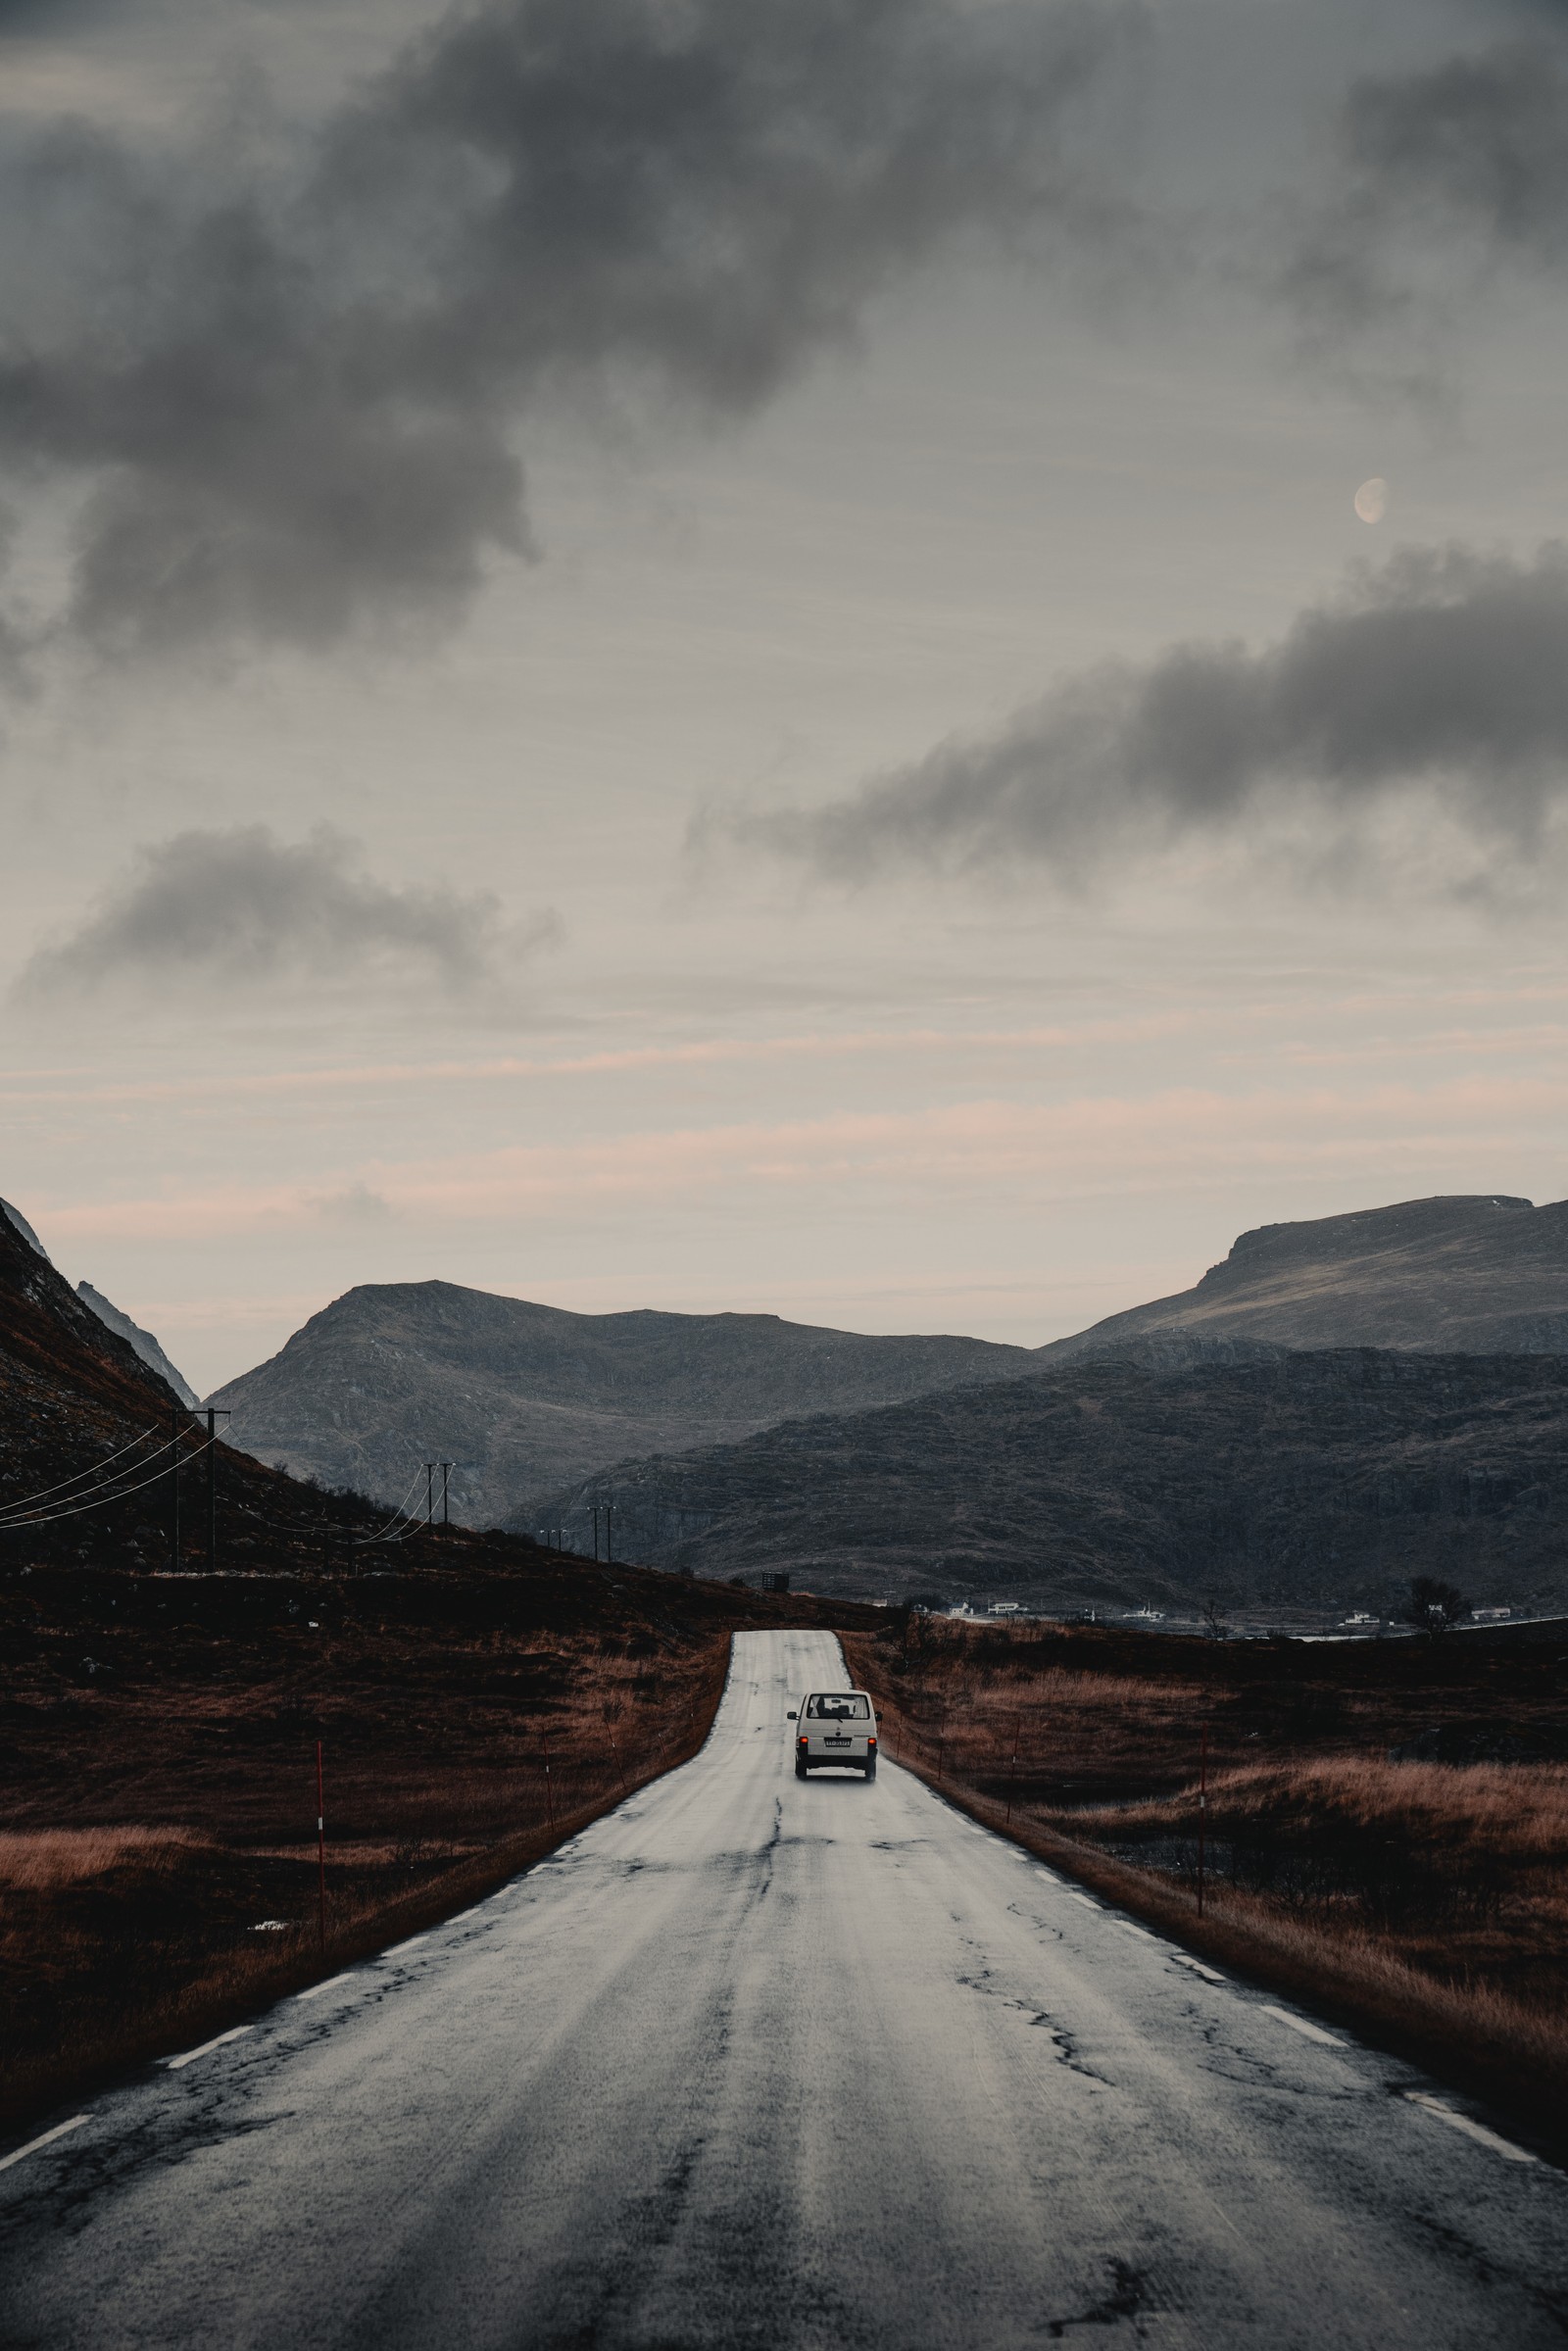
{"x":1216,"y":1624}
{"x":1435,"y":1606}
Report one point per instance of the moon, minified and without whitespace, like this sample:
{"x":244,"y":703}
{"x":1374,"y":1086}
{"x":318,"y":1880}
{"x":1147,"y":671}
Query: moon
{"x":1371,"y":500}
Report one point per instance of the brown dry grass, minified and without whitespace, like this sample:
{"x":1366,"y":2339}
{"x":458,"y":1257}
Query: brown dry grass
{"x":48,"y":1860}
{"x":1514,"y":1812}
{"x":1423,"y":1904}
{"x":154,"y":1816}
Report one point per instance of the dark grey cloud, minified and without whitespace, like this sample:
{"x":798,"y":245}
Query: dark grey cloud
{"x":224,"y":907}
{"x":1439,"y":175}
{"x":292,"y":395}
{"x":1447,"y":669}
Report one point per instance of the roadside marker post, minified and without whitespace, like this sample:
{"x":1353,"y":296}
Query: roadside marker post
{"x":1202,"y":1813}
{"x":321,"y":1855}
{"x":1012,"y":1775}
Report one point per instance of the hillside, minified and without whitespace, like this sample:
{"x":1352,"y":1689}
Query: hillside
{"x":144,"y":1343}
{"x":1480,"y":1274}
{"x":1320,"y":1479}
{"x":525,"y":1398}
{"x":86,"y":1427}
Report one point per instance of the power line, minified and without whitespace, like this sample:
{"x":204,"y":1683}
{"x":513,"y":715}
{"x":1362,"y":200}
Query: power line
{"x":26,"y":1502}
{"x":402,"y":1511}
{"x":121,"y":1494}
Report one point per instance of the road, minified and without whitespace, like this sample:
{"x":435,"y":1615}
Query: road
{"x":757,"y":2063}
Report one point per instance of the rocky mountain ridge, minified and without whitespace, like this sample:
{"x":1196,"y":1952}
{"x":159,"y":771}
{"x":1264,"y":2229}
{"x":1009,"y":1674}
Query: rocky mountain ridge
{"x":1482,"y":1273}
{"x":522,"y":1398}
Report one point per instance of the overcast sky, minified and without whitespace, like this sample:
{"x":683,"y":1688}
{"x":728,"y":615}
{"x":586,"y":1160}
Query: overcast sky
{"x":720,"y":653}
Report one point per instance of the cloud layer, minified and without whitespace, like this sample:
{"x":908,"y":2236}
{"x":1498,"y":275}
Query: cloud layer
{"x":1440,"y":173}
{"x":222,"y":908}
{"x":288,"y":399}
{"x":1447,"y":669}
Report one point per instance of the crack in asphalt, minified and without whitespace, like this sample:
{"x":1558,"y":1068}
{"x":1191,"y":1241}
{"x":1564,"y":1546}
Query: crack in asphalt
{"x":1066,"y":2047}
{"x":1063,"y":2042}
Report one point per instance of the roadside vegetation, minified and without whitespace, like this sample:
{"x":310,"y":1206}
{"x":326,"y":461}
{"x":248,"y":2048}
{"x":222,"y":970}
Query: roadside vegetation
{"x":157,"y":1850}
{"x":1386,"y":1827}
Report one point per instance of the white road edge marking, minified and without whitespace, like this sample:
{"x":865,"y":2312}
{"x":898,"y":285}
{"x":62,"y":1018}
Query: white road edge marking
{"x":1186,"y":1959}
{"x":1476,"y":2130}
{"x":236,"y":2033}
{"x":1127,"y":1928}
{"x":1299,"y":2024}
{"x":313,"y":1991}
{"x":1084,"y":1899}
{"x":464,"y":1914}
{"x":412,"y":1944}
{"x":45,"y":2139}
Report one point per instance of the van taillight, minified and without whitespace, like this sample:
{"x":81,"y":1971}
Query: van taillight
{"x":803,"y":1740}
{"x":871,"y":1740}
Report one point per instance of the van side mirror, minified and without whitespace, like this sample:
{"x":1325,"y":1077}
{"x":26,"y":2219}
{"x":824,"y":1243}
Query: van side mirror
{"x":791,"y":1717}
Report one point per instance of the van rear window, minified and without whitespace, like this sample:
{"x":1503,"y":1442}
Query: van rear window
{"x":837,"y":1707}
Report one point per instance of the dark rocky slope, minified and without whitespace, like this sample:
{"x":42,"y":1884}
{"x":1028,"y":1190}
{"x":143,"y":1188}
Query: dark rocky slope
{"x":524,"y":1399}
{"x":83,"y":1420}
{"x":1482,"y":1273}
{"x":1323,"y":1480}
{"x":144,"y":1343}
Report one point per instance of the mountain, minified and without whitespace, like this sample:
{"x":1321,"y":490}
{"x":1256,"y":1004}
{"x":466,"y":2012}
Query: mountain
{"x":1316,"y":1479}
{"x":525,"y":1399}
{"x":87,"y":1462}
{"x":1473,"y":1274}
{"x":19,"y":1223}
{"x":74,"y":1396}
{"x":145,"y":1344}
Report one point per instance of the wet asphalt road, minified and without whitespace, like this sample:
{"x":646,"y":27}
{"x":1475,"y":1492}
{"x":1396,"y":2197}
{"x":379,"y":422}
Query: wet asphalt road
{"x":757,"y":2063}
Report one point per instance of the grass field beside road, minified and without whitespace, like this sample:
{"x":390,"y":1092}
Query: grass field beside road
{"x":158,"y":1848}
{"x":1386,"y":1830}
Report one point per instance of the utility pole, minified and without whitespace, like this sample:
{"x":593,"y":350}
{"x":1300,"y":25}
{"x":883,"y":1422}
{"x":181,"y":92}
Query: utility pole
{"x":447,"y":1467}
{"x":173,"y":1490}
{"x":429,"y":1494}
{"x":609,"y":1548}
{"x":594,"y":1507}
{"x":213,"y":1417}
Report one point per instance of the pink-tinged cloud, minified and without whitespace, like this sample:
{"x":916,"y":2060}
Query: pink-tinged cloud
{"x":1388,"y":1138}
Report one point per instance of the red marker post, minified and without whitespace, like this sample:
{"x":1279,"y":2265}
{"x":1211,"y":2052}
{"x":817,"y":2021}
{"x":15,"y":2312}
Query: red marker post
{"x":320,"y":1855}
{"x":1202,"y":1813}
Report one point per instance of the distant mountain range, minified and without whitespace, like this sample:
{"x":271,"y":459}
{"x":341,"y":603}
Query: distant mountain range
{"x":1340,"y":1405}
{"x":1319,"y":1479}
{"x":533,"y":1403}
{"x":525,"y":1399}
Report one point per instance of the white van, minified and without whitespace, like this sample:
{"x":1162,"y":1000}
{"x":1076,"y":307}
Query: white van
{"x":836,"y":1726}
